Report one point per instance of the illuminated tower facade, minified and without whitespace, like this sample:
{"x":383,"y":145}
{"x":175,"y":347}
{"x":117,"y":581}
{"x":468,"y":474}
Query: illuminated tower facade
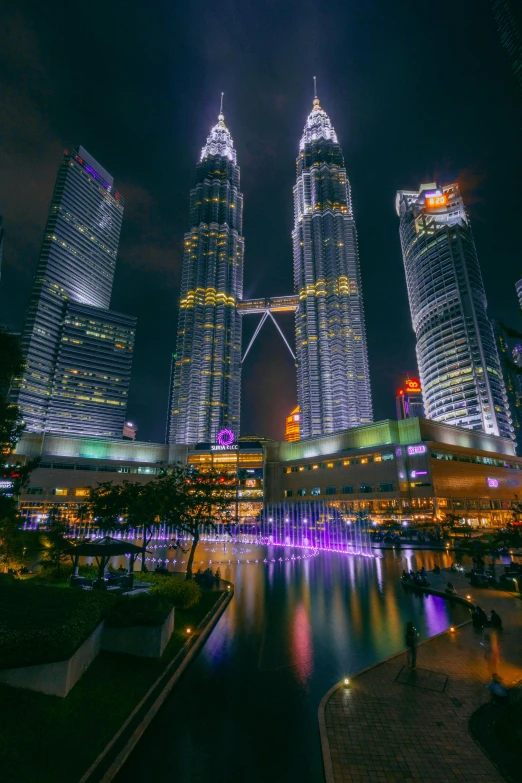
{"x":78,"y":353}
{"x":457,"y":357}
{"x":333,"y":379}
{"x":206,"y":378}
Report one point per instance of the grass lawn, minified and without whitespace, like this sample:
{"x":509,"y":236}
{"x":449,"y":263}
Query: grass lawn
{"x":48,"y":739}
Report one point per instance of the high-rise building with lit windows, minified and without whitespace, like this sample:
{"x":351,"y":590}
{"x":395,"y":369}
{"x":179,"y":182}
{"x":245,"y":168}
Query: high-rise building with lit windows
{"x":292,"y":425}
{"x":333,"y":379}
{"x":75,"y":379}
{"x":206,"y":378}
{"x":92,"y":372}
{"x":457,"y":357}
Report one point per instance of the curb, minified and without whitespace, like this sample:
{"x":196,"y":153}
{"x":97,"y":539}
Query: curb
{"x":98,"y":772}
{"x":325,"y":744}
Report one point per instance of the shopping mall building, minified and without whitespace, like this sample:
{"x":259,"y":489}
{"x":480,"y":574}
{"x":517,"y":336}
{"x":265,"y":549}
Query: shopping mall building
{"x":413,"y":468}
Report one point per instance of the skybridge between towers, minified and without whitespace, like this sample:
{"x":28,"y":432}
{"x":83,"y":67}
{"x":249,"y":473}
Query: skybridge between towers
{"x":266,"y":307}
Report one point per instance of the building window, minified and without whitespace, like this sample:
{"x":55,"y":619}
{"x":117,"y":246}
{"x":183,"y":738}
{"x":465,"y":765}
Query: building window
{"x":288,"y":493}
{"x":331,"y":490}
{"x":124,"y":469}
{"x":347,"y":490}
{"x":386,"y":457}
{"x":60,"y":492}
{"x":35,"y":491}
{"x":386,"y":486}
{"x":81,"y":493}
{"x":288,"y":470}
{"x":295,"y":469}
{"x":329,"y":464}
{"x":315,"y":491}
{"x":346,"y":462}
{"x":301,"y":492}
{"x":366,"y":488}
{"x":315,"y":467}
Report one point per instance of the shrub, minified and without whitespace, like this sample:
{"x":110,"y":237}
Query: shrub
{"x":63,"y":572}
{"x":143,"y":609}
{"x":173,"y":589}
{"x":42,"y":624}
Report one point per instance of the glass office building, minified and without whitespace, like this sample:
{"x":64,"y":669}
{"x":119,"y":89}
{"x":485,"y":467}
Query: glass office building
{"x":206,"y":377}
{"x":333,"y":380}
{"x":457,"y":357}
{"x":92,"y":372}
{"x":76,"y":265}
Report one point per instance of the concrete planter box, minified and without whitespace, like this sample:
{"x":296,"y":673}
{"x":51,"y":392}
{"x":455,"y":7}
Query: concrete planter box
{"x":147,"y":641}
{"x":56,"y":679}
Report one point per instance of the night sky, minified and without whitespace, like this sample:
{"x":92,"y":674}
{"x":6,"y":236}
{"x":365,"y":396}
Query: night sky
{"x":416,"y":92}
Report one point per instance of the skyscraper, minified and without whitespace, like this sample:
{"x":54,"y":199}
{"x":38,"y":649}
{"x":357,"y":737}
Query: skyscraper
{"x":508,"y":365}
{"x":92,"y":371}
{"x":508,"y":20}
{"x":333,"y":380}
{"x":457,"y":357}
{"x":207,"y":371}
{"x":292,"y":425}
{"x":76,"y":266}
{"x":518,"y":286}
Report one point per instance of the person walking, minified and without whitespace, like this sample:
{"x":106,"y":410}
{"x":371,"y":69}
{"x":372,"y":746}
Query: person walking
{"x":411,"y":643}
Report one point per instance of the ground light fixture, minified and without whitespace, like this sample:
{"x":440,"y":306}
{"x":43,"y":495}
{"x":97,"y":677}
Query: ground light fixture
{"x":452,"y":629}
{"x":189,"y":630}
{"x":468,"y":597}
{"x":228,"y":587}
{"x":346,"y":681}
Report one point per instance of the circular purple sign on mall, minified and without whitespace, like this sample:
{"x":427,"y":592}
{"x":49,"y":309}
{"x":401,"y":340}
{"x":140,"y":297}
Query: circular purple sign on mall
{"x":225,"y":437}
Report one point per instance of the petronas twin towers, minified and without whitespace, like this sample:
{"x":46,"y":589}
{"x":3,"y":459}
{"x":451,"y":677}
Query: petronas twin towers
{"x":333,"y":383}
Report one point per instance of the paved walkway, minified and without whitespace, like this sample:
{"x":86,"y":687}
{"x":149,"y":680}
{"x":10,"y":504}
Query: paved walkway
{"x":398,"y":726}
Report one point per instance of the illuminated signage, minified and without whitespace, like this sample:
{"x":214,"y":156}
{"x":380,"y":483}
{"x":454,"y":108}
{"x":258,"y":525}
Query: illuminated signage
{"x":6,"y":484}
{"x":416,"y":449}
{"x":436,"y":199}
{"x":412,"y":386}
{"x":225,"y":441}
{"x":416,"y":473}
{"x":492,"y":482}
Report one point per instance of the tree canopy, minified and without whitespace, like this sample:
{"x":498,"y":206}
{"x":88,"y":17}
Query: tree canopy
{"x":187,"y":501}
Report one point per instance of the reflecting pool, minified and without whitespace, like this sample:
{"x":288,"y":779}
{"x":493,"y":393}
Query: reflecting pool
{"x":246,"y":708}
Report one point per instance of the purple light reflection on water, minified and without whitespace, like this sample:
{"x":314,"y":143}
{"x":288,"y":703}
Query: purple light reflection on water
{"x":436,"y":611}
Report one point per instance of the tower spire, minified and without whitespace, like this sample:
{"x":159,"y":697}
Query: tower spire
{"x":316,"y":99}
{"x":221,"y":116}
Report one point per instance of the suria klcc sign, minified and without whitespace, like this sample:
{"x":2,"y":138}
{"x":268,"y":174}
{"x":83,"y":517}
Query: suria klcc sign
{"x":420,"y":449}
{"x":225,"y":441}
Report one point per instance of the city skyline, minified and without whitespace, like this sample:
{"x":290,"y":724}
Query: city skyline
{"x":267,"y":119}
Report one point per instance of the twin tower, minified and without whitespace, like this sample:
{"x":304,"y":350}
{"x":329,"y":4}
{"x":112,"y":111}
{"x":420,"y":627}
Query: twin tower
{"x":333,"y":382}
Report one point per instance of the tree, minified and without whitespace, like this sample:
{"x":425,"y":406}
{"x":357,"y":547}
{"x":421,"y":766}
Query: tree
{"x":126,"y":506}
{"x":195,"y":503}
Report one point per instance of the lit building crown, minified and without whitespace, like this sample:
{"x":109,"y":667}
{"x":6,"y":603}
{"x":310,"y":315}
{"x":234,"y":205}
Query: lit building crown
{"x":219,"y":142}
{"x":318,"y":126}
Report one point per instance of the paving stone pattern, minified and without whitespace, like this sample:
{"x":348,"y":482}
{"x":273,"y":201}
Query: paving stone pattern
{"x":384,"y":728}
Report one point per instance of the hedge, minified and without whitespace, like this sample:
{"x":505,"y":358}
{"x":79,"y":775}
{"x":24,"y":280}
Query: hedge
{"x":41,"y":624}
{"x":172,"y":588}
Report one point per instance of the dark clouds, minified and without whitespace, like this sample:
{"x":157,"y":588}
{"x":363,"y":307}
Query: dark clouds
{"x":416,"y":92}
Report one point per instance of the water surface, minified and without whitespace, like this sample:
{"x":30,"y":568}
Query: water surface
{"x":246,"y":708}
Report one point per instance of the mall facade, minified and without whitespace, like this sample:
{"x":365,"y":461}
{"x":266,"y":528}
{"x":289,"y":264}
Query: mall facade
{"x":413,"y":469}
